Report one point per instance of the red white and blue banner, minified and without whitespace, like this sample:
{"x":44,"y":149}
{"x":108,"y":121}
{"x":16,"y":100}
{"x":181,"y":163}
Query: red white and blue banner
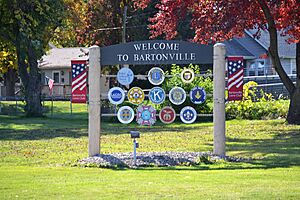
{"x":235,"y":78}
{"x":79,"y":75}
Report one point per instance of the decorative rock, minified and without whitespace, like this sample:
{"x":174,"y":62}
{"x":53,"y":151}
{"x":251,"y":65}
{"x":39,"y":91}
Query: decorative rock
{"x":159,"y":159}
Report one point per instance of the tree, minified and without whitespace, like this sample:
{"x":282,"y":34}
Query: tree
{"x":104,"y":21}
{"x":65,"y":35}
{"x":28,"y":26}
{"x":105,"y":15}
{"x":219,"y":20}
{"x":8,"y":67}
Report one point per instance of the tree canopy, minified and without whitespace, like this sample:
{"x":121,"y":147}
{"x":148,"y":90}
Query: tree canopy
{"x":214,"y":21}
{"x":28,"y":25}
{"x":218,"y":20}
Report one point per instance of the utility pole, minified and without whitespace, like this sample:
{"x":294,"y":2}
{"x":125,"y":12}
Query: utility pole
{"x":124,"y":25}
{"x":124,"y":33}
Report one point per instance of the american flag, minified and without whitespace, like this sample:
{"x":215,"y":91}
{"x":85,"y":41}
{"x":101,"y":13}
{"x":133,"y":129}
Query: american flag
{"x":235,"y":78}
{"x":50,"y":83}
{"x":79,"y":74}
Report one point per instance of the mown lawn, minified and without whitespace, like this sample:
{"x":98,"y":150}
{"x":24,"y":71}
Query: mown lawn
{"x":37,"y":159}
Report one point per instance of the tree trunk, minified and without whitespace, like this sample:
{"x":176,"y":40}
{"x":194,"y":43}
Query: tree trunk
{"x":294,"y":110}
{"x":9,"y":82}
{"x":30,"y":77}
{"x":294,"y":90}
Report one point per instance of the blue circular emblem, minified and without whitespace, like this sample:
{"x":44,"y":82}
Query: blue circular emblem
{"x":177,"y":95}
{"x":156,"y":76}
{"x":188,"y":115}
{"x":197,"y":95}
{"x":157,"y":95}
{"x":116,"y":95}
{"x":125,"y":76}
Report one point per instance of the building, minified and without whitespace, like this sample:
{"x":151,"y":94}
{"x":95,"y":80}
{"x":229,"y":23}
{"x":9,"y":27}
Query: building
{"x":255,"y":53}
{"x":56,"y":64}
{"x":258,"y":66}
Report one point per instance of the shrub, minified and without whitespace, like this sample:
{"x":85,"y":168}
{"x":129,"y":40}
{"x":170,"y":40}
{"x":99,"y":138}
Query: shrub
{"x":253,"y":107}
{"x":201,"y":81}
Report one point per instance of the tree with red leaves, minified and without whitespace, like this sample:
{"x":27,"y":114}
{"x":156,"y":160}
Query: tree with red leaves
{"x":219,"y":20}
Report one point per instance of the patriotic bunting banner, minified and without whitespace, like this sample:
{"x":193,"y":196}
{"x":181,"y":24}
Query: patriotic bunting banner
{"x":235,"y":78}
{"x":79,"y":74}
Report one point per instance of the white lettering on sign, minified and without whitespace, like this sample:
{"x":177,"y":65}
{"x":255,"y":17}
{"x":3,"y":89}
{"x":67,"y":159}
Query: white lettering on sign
{"x":123,"y":57}
{"x":145,"y":52}
{"x":156,"y":46}
{"x":164,"y":57}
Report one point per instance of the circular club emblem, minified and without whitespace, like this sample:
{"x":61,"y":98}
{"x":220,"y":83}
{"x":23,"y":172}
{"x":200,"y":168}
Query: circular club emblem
{"x":157,"y":95}
{"x":136,"y":95}
{"x":187,"y":75}
{"x":177,"y":95}
{"x":188,"y":115}
{"x":146,"y":115}
{"x":197,"y":95}
{"x":125,"y":76}
{"x":116,"y":95}
{"x":156,"y":76}
{"x":167,"y":115}
{"x":125,"y":114}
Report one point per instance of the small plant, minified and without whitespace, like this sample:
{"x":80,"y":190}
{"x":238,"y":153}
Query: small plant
{"x":204,"y":159}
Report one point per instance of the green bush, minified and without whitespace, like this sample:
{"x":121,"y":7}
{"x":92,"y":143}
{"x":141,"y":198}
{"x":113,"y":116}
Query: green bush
{"x":252,"y":107}
{"x":201,"y":81}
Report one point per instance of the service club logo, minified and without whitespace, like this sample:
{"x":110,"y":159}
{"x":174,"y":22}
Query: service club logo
{"x":125,"y":114}
{"x":116,"y":95}
{"x":198,"y":95}
{"x":188,"y":115}
{"x":136,"y":95}
{"x":146,"y":115}
{"x":167,"y":115}
{"x":177,"y":95}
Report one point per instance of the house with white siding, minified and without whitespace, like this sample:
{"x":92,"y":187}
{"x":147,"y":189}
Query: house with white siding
{"x":56,"y":64}
{"x":255,"y":53}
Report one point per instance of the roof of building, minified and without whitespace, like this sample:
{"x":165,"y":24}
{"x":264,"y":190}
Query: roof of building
{"x":285,"y":49}
{"x":61,"y":57}
{"x":250,"y":47}
{"x":234,"y":48}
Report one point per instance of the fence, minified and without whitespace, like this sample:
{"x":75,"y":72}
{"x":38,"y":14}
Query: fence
{"x":52,"y":107}
{"x":270,"y":84}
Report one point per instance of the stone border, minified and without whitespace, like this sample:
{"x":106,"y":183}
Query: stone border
{"x":154,"y":159}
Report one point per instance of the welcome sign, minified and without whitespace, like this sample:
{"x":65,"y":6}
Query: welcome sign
{"x":156,"y":52}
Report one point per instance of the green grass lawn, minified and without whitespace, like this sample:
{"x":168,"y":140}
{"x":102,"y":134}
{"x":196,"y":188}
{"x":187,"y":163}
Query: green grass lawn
{"x":37,"y":155}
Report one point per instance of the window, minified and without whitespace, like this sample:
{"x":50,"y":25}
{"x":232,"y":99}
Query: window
{"x":43,"y":78}
{"x":70,"y":78}
{"x":251,"y":69}
{"x":56,"y":77}
{"x":256,"y":68}
{"x":261,"y":68}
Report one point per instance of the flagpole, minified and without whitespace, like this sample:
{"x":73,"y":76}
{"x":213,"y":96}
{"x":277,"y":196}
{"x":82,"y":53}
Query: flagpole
{"x":52,"y":102}
{"x":71,"y":105}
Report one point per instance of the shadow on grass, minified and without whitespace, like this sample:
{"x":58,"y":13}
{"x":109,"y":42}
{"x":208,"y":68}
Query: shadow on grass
{"x":39,"y":134}
{"x":22,"y":128}
{"x":282,"y":150}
